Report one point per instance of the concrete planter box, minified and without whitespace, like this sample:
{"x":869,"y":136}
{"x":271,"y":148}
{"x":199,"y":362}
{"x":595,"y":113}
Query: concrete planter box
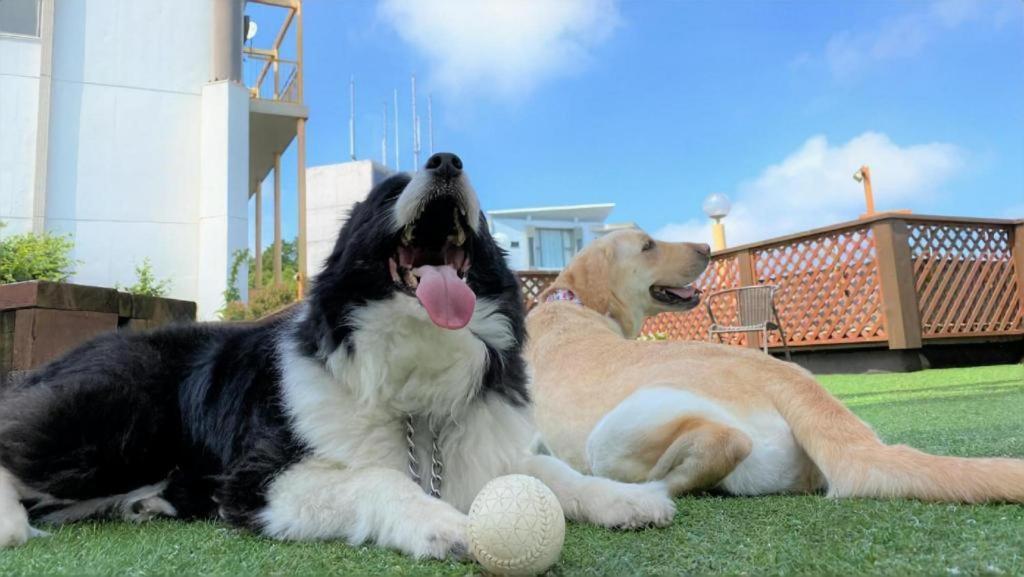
{"x":41,"y":320}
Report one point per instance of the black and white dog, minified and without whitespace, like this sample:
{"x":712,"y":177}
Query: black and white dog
{"x":399,"y":376}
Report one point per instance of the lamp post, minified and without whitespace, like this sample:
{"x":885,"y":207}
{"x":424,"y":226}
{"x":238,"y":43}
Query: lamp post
{"x":717,"y":206}
{"x":863,"y":175}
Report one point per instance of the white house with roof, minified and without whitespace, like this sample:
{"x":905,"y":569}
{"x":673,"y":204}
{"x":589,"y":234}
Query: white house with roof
{"x":546,"y":238}
{"x":131,"y":126}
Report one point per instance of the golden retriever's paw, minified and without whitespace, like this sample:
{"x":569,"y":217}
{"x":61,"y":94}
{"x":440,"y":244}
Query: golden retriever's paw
{"x":636,"y":506}
{"x":443,"y":535}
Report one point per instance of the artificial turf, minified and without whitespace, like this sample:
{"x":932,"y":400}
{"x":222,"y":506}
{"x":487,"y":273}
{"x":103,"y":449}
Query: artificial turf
{"x":977,"y":411}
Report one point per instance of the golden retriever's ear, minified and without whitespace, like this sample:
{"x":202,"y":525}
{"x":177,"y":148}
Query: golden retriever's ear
{"x":587,"y":276}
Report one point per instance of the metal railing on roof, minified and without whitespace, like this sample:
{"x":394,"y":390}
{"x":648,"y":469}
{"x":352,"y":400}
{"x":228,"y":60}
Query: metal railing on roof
{"x":267,"y":74}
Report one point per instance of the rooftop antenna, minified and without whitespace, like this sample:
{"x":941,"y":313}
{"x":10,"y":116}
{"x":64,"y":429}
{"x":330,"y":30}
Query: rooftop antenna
{"x":352,"y":118}
{"x":398,"y":143}
{"x":384,"y":137}
{"x":415,"y":128}
{"x":430,"y":123}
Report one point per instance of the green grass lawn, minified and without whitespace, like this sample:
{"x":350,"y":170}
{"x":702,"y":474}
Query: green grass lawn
{"x":976,"y":411}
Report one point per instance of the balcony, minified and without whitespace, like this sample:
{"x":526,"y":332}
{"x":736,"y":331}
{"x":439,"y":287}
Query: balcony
{"x":272,"y":72}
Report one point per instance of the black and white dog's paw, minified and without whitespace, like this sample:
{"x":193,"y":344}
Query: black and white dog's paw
{"x":635,"y":506}
{"x":15,"y":530}
{"x":444,"y":534}
{"x":147,"y":508}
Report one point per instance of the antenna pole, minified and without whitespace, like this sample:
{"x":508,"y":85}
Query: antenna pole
{"x":430,"y":122}
{"x":397,"y":148}
{"x":398,"y":143}
{"x":415,"y":129}
{"x":384,"y":137}
{"x":352,"y":118}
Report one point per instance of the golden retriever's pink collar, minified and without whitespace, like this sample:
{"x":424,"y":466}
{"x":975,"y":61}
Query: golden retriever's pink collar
{"x":563,"y":295}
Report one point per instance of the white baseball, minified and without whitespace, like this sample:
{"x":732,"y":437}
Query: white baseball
{"x":516,"y":526}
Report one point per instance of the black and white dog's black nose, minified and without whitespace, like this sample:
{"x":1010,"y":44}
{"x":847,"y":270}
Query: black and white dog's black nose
{"x":441,"y":178}
{"x":445,"y":165}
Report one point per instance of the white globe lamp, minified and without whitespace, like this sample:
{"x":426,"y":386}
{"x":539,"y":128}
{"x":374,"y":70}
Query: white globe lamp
{"x":717,"y":206}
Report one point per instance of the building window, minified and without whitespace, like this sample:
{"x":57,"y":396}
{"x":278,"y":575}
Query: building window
{"x":19,"y":17}
{"x":515,"y":244}
{"x":554,"y":247}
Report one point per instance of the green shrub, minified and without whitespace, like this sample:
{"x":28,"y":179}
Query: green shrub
{"x":289,"y":264}
{"x":231,"y":293}
{"x":261,"y":303}
{"x":146,"y":283}
{"x":31,"y":256}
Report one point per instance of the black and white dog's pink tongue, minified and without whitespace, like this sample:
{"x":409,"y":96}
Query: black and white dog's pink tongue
{"x":447,"y":298}
{"x":685,"y":293}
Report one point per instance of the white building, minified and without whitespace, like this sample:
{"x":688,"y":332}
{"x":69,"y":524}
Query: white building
{"x":547,"y":238}
{"x":333,"y":190}
{"x":125,"y":123}
{"x":542,"y":238}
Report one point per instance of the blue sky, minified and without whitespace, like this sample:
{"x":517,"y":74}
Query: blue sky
{"x":654,"y":104}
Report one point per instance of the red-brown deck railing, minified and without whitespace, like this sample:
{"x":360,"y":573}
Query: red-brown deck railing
{"x":893,"y":279}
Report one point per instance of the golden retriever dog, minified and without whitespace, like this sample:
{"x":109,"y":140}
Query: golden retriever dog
{"x":699,"y":415}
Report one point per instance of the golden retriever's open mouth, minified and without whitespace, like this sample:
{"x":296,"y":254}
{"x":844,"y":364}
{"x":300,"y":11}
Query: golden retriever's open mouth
{"x":684,"y":297}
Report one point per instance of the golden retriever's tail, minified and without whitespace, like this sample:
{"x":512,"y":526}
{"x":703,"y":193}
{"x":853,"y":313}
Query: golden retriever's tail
{"x":856,"y":463}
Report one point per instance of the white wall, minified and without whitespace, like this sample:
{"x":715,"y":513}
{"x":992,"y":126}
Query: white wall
{"x":145,"y":159}
{"x":224,"y":194}
{"x":518,"y":257}
{"x":19,"y":105}
{"x":331,"y":190}
{"x":127,"y":142}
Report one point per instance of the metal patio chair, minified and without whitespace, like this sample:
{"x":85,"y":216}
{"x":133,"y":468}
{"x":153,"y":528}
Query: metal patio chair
{"x":757,"y":312}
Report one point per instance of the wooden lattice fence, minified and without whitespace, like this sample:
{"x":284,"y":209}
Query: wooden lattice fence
{"x":532,"y":283}
{"x":899,"y":279}
{"x":828,"y":287}
{"x":965,"y":279}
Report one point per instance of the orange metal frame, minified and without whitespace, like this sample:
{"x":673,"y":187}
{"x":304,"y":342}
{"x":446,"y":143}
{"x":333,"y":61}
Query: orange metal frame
{"x":290,"y":90}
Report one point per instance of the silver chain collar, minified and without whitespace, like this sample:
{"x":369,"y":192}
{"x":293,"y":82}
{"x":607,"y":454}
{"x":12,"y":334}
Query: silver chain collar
{"x":436,"y":464}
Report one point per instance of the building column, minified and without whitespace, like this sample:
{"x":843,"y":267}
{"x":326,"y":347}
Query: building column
{"x":259,"y":235}
{"x":223,"y":194}
{"x":46,"y":9}
{"x":301,"y":158}
{"x":277,"y":219}
{"x":303,"y":266}
{"x":226,"y":41}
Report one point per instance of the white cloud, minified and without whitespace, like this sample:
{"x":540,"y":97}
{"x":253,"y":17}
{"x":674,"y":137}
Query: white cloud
{"x":847,"y":54}
{"x":813,"y":187}
{"x":501,"y":48}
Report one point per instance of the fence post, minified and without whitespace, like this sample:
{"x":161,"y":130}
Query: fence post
{"x":896,"y":277}
{"x":1018,"y":261}
{"x":745,"y":264}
